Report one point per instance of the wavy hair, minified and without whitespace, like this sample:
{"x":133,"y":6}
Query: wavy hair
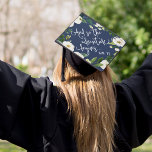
{"x":92,"y":104}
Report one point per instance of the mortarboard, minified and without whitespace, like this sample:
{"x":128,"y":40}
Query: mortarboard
{"x":88,"y":46}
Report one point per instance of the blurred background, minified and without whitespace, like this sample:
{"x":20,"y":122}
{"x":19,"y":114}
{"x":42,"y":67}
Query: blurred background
{"x":28,"y":30}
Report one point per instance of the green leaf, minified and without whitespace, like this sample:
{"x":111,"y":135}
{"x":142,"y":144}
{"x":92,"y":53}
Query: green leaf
{"x":84,"y":21}
{"x":84,"y":54}
{"x":109,"y":58}
{"x":61,"y":40}
{"x":85,"y":1}
{"x":93,"y":60}
{"x":112,"y":43}
{"x":114,"y":46}
{"x":62,"y":36}
{"x":70,"y":30}
{"x":99,"y":60}
{"x":113,"y":35}
{"x":68,"y":37}
{"x":115,"y":53}
{"x":98,"y":64}
{"x":89,"y":21}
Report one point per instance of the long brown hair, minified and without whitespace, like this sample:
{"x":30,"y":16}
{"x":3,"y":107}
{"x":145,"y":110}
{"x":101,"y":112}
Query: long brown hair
{"x":91,"y":102}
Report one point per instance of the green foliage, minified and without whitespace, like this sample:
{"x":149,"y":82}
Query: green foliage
{"x":22,"y":68}
{"x":93,"y":60}
{"x":131,"y":20}
{"x":98,"y":65}
{"x":100,"y":59}
{"x":109,"y":58}
{"x":147,"y":147}
{"x":84,"y":54}
{"x":61,"y":38}
{"x":8,"y":147}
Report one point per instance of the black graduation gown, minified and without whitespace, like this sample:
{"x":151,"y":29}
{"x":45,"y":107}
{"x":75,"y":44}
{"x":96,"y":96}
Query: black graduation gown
{"x":33,"y":114}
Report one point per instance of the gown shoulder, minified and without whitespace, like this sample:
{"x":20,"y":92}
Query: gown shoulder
{"x":27,"y":108}
{"x":134,"y":107}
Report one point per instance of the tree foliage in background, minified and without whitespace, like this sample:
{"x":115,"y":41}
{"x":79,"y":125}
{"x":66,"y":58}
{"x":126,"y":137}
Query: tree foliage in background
{"x":23,"y":68}
{"x":131,"y":20}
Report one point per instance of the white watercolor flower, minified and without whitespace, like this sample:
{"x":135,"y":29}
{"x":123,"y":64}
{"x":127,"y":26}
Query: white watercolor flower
{"x":110,"y":46}
{"x":104,"y":64}
{"x":117,"y":49}
{"x":69,"y":45}
{"x":100,"y":27}
{"x":119,"y":41}
{"x":79,"y":54}
{"x":72,"y":25}
{"x":78,"y":20}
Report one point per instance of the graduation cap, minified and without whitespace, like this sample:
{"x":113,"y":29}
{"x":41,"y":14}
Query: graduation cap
{"x":88,"y":46}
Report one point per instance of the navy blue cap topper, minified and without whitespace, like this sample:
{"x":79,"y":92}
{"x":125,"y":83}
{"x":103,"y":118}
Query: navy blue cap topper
{"x":91,"y":41}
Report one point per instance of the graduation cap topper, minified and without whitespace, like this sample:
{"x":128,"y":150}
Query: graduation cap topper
{"x":90,"y":41}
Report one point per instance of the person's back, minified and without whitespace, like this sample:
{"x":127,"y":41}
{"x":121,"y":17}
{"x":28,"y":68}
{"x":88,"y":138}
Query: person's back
{"x":34,"y":112}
